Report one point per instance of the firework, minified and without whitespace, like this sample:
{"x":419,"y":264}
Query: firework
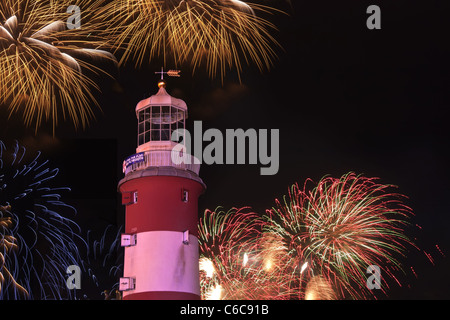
{"x":37,"y":239}
{"x":224,"y":238}
{"x":8,"y":244}
{"x":230,"y":263}
{"x":319,"y":288}
{"x":104,"y":262}
{"x":41,"y":64}
{"x":218,"y":34}
{"x":337,"y":230}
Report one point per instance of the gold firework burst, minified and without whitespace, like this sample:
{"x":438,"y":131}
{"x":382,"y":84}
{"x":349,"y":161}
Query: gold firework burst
{"x":41,"y":64}
{"x":217,"y":34}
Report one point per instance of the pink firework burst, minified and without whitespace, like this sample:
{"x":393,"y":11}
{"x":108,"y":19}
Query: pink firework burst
{"x":337,"y":230}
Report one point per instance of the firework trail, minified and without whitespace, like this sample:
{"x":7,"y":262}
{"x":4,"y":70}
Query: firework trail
{"x":41,"y":63}
{"x":319,"y":288}
{"x":8,"y":244}
{"x":37,"y":239}
{"x":337,"y":230}
{"x":224,"y":238}
{"x":104,"y":262}
{"x":218,"y":34}
{"x":230,"y":265}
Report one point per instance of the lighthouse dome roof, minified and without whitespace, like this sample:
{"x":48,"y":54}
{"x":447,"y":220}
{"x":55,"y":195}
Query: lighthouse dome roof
{"x":161,"y":98}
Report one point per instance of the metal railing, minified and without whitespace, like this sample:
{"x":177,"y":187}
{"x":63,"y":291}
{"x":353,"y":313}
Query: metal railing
{"x":164,"y":158}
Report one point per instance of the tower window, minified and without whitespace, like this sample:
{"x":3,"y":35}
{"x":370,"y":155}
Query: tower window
{"x":127,"y":283}
{"x":128,"y":240}
{"x":184,"y":195}
{"x":129,"y":197}
{"x":186,"y":237}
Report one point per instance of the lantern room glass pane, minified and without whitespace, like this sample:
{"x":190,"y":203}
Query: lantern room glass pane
{"x":174,"y":136}
{"x":155,"y":135}
{"x":182,"y":116}
{"x":165,"y":115}
{"x":165,"y":134}
{"x":173,"y":114}
{"x":156,"y":115}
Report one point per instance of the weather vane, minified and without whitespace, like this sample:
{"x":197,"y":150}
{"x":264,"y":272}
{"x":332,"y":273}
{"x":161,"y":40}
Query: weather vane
{"x":170,"y":73}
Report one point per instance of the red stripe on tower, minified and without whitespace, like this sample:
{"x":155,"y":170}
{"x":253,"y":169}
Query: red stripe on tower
{"x":161,"y":215}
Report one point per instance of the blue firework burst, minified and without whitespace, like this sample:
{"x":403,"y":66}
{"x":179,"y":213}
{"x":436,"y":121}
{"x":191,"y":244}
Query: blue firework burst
{"x":103,"y":264}
{"x":38,"y":239}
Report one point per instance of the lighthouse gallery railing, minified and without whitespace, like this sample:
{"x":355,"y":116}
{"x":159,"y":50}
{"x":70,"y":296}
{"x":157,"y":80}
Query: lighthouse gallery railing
{"x":161,"y":158}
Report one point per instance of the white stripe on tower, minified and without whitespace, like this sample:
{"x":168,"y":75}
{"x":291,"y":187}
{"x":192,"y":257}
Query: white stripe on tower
{"x":160,"y":261}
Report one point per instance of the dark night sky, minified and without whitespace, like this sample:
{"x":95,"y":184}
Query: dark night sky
{"x":344,"y":98}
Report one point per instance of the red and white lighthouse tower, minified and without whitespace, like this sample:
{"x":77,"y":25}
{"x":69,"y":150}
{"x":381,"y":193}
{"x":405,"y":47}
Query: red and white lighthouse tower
{"x":161,"y":215}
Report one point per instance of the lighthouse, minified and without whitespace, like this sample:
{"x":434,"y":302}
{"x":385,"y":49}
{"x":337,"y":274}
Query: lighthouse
{"x":160,"y":195}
